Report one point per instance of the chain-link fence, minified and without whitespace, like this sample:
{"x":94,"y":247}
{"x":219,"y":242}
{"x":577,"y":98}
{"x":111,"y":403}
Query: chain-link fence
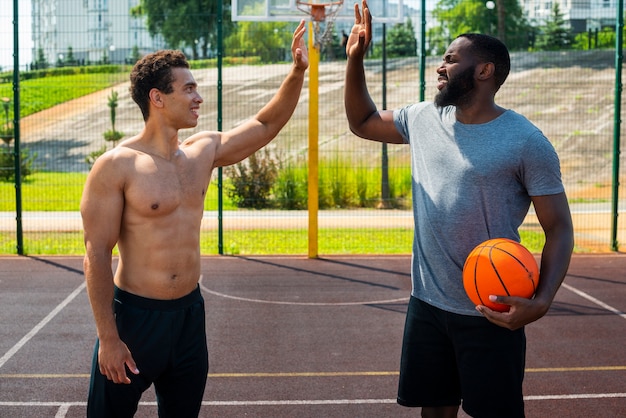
{"x":364,"y":187}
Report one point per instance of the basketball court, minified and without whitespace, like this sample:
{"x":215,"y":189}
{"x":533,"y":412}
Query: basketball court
{"x":294,"y":336}
{"x":306,"y":337}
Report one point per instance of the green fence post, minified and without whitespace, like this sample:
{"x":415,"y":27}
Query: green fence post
{"x":220,"y":184}
{"x":619,"y":27}
{"x":17,"y":156}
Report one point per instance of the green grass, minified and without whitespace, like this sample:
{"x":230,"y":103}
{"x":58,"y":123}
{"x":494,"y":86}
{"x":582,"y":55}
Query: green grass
{"x":51,"y":191}
{"x":295,"y":241}
{"x":45,"y":191}
{"x":42,"y":93}
{"x":340,"y":241}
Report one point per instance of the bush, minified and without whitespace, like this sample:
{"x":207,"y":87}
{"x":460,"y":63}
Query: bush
{"x":263,"y":181}
{"x":113,"y":136}
{"x":252,"y":180}
{"x":291,"y":188}
{"x":7,"y":164}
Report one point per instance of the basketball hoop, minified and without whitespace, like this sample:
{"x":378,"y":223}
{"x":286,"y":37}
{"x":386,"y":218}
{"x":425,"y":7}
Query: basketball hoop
{"x":321,"y":12}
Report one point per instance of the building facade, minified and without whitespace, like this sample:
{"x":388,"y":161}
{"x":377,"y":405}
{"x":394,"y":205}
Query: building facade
{"x":583,"y":15}
{"x":91,"y":31}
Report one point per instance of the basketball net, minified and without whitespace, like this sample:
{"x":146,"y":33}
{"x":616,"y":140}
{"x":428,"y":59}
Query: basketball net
{"x":321,"y":13}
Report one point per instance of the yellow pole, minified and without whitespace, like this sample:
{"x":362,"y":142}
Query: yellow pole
{"x":313,"y":202}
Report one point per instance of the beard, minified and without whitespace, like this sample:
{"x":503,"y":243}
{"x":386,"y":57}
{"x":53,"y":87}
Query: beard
{"x":458,"y":91}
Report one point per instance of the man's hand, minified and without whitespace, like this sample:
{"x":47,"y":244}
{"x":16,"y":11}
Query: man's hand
{"x":361,"y":33}
{"x":298,"y":48}
{"x":113,"y":358}
{"x":522,"y":311}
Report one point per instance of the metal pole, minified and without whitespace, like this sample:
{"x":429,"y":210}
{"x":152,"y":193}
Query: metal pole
{"x":313,"y":201}
{"x":619,"y":27}
{"x":220,"y":184}
{"x":384,"y":187}
{"x":423,"y":51}
{"x":16,"y":129}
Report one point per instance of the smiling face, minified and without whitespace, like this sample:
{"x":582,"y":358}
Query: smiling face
{"x":183,"y":102}
{"x":456,"y":82}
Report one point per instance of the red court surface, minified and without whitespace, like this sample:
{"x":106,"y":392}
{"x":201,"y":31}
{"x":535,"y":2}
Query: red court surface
{"x":299,"y":337}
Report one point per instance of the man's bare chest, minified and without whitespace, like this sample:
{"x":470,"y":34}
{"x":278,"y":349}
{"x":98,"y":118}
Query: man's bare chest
{"x":160,"y":189}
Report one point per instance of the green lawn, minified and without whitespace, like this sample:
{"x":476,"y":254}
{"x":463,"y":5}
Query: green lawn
{"x":50,"y":191}
{"x":339,"y":241}
{"x":42,"y":93}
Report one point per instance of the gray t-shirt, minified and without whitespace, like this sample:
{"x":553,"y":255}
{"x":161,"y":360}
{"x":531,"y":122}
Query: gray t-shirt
{"x":470,"y":183}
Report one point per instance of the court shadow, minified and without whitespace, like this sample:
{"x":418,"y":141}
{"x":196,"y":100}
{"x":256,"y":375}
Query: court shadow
{"x":319,"y":272}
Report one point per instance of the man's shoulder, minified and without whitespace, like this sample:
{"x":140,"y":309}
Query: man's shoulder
{"x":202,"y":137}
{"x":114,"y":162}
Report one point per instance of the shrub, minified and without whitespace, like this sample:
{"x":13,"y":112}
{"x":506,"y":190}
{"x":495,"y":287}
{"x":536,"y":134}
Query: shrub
{"x":7,"y":164}
{"x":291,"y":188}
{"x":113,"y":136}
{"x":252,"y":180}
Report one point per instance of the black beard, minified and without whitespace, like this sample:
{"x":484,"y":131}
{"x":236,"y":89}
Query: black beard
{"x":458,"y":90}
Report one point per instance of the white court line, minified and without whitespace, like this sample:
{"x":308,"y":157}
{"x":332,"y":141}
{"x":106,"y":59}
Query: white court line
{"x":574,"y":396}
{"x":281,"y":302}
{"x":40,"y":325}
{"x":62,"y":411}
{"x":594,"y":300}
{"x":64,"y":406}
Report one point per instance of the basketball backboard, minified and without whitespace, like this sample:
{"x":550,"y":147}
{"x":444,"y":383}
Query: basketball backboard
{"x":383,"y":11}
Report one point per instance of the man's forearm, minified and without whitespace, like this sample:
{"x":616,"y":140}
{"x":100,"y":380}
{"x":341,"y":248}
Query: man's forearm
{"x":100,"y":290}
{"x":277,"y":112}
{"x":357,"y":100}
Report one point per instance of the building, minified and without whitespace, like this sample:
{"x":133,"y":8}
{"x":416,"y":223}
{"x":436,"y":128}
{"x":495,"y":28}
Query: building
{"x":583,"y":15}
{"x":92,"y":31}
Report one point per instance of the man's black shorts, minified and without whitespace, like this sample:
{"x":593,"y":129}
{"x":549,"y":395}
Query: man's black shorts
{"x":167,"y":339}
{"x":449,"y":358}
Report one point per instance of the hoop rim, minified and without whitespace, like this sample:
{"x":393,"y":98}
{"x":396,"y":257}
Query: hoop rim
{"x":327,"y":4}
{"x":297,"y":10}
{"x":318,"y":11}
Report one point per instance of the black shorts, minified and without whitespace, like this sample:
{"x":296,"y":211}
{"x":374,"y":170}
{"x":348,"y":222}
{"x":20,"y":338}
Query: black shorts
{"x":167,"y":339}
{"x":449,"y":358}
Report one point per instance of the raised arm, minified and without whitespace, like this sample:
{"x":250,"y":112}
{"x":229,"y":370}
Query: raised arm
{"x":363,"y":117}
{"x":244,"y":140}
{"x":101,"y":209}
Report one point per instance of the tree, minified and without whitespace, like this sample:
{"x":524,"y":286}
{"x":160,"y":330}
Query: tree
{"x":555,"y":34}
{"x":135,"y":55}
{"x":40,"y":63}
{"x":113,"y":135}
{"x":401,"y":40}
{"x":69,"y":58}
{"x":268,"y":40}
{"x":185,"y":23}
{"x":463,"y":16}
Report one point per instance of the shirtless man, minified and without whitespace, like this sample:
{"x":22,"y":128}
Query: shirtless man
{"x":147,"y":196}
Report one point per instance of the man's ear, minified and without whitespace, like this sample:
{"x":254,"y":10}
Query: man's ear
{"x":156,"y":97}
{"x":485,"y":70}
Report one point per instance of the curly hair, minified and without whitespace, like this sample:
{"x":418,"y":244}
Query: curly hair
{"x":154,"y":71}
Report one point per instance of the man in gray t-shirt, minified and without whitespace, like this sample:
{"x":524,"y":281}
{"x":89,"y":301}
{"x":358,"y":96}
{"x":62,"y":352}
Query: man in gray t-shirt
{"x":472,"y":182}
{"x":476,"y":169}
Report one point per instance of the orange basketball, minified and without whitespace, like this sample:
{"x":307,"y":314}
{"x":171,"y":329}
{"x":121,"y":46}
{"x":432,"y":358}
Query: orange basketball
{"x":499,"y":267}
